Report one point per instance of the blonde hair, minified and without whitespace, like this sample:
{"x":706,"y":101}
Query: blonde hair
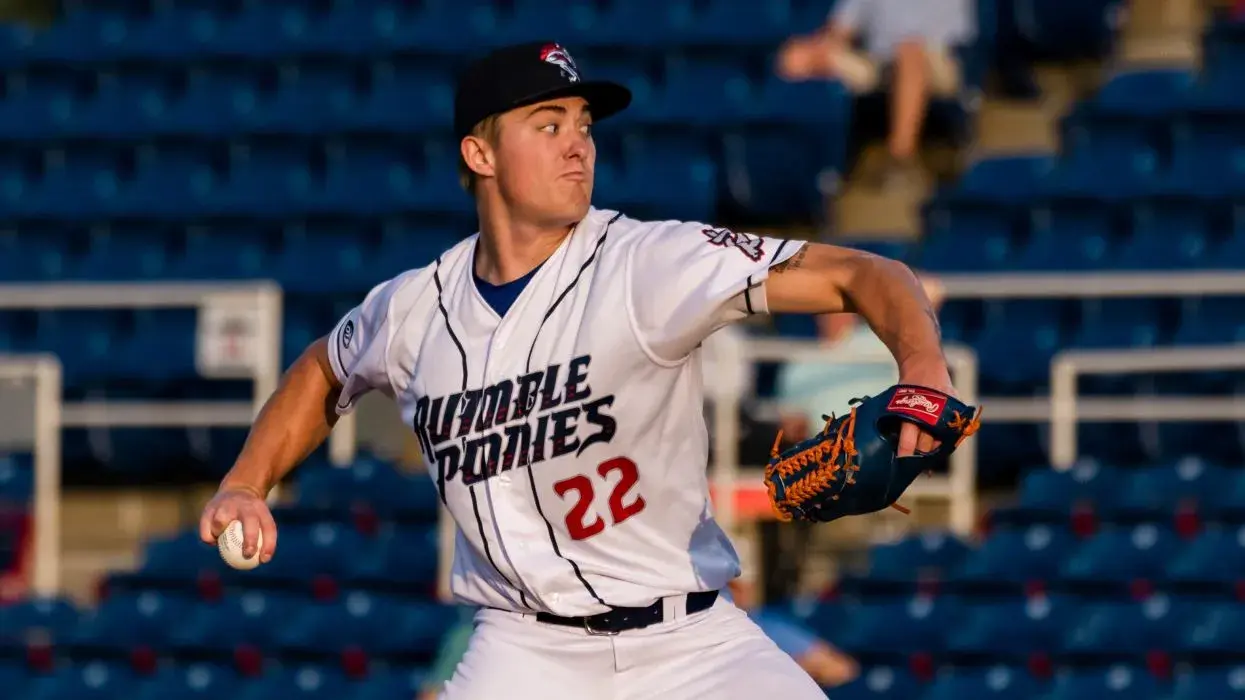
{"x":487,"y":129}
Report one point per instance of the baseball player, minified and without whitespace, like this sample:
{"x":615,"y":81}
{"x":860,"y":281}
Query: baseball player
{"x":549,"y":367}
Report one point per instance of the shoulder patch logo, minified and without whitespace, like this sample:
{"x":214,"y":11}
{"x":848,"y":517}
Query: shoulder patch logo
{"x":750,"y":246}
{"x":347,"y":334}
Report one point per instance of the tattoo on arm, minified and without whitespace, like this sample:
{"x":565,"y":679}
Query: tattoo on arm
{"x":792,"y":263}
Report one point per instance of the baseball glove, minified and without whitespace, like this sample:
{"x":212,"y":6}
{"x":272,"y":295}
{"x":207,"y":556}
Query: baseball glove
{"x":851,"y":466}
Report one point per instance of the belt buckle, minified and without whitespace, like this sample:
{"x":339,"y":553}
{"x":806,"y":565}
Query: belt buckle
{"x":595,"y":632}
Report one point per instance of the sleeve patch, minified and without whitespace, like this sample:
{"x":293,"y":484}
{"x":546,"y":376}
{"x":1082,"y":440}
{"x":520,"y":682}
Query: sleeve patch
{"x":752,"y":247}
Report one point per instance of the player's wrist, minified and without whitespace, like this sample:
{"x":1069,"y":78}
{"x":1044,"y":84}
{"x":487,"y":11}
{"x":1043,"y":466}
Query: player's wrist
{"x":233,"y":484}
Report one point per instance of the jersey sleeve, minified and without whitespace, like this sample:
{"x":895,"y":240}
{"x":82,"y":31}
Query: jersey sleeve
{"x":358,"y":347}
{"x":687,"y":280}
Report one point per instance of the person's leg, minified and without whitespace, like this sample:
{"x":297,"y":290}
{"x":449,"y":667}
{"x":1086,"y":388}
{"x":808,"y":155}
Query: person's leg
{"x":514,"y":657}
{"x":719,"y":654}
{"x":909,"y":99}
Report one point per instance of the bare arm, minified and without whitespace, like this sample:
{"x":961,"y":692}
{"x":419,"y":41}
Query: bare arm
{"x":829,"y":279}
{"x":296,"y":419}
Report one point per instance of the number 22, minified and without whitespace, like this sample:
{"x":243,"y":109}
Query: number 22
{"x":581,"y":484}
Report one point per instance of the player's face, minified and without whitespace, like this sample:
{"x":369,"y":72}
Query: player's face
{"x":545,"y":159}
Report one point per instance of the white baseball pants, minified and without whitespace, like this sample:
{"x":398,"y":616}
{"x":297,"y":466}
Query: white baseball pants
{"x":717,"y":654}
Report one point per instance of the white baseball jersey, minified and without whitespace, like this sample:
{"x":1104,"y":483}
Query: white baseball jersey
{"x":567,"y":437}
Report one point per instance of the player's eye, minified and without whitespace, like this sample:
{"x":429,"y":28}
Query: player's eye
{"x":586,"y":129}
{"x":550,"y":128}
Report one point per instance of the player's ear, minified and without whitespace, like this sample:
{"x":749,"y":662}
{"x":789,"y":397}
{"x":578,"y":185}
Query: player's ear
{"x":477,"y":153}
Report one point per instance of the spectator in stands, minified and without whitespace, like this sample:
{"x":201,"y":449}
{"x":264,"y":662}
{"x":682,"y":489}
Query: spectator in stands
{"x":827,"y":665}
{"x":909,"y":44}
{"x":808,"y":390}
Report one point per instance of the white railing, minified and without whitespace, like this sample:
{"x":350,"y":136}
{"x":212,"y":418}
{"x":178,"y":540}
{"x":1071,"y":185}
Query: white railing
{"x":256,"y":306}
{"x":45,"y":372}
{"x":1067,"y":410}
{"x":958,"y":487}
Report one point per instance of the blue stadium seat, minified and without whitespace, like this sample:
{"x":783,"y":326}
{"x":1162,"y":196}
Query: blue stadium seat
{"x":1126,"y":628}
{"x":1013,"y":629}
{"x":1216,"y":555}
{"x":1053,"y":493}
{"x":932,"y":553}
{"x":903,"y":626}
{"x":1213,"y":683}
{"x":242,"y":250}
{"x":190,"y":682}
{"x":127,"y":104}
{"x":1017,"y":343}
{"x":1114,"y":682}
{"x":128,"y":620}
{"x":704,"y":90}
{"x":13,"y":678}
{"x":123,"y":254}
{"x":74,"y":183}
{"x":828,"y":618}
{"x":1167,"y":234}
{"x":371,"y":623}
{"x":880,"y":683}
{"x":1212,"y":321}
{"x":84,"y":340}
{"x":326,"y":256}
{"x":368,"y":481}
{"x":393,"y":683}
{"x":94,"y":680}
{"x":266,"y":179}
{"x":401,"y":556}
{"x":212,"y":100}
{"x":321,"y":549}
{"x":729,"y":23}
{"x":1122,"y":554}
{"x":37,"y":619}
{"x":172,"y":182}
{"x":1018,"y":555}
{"x":307,"y":682}
{"x":994,"y":682}
{"x":1208,"y":154}
{"x":308,"y":98}
{"x":368,"y":178}
{"x":1219,"y":630}
{"x":178,"y":559}
{"x":406,"y":97}
{"x":17,"y":476}
{"x":260,"y":29}
{"x":1158,"y":490}
{"x":37,"y":104}
{"x":1117,"y":323}
{"x":251,"y":618}
{"x":643,"y":23}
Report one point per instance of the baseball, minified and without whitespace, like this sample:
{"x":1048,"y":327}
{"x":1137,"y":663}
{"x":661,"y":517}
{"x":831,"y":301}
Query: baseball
{"x":230,"y":545}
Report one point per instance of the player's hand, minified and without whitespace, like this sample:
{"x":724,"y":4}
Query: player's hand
{"x":933,"y":374}
{"x":246,"y":505}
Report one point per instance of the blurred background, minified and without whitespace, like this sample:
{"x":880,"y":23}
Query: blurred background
{"x":193,"y":190}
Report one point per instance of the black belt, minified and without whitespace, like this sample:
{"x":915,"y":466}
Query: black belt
{"x":623,"y":619}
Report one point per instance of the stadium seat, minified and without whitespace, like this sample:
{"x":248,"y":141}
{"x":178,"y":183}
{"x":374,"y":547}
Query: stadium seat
{"x":1122,"y":554}
{"x":306,"y":682}
{"x":196,"y":680}
{"x":94,"y":680}
{"x":17,"y":476}
{"x":879,"y":683}
{"x":1216,"y":632}
{"x":369,"y":482}
{"x":13,"y":678}
{"x":1016,"y":354}
{"x":130,"y":620}
{"x":324,"y":549}
{"x":1013,"y":629}
{"x":1189,"y":483}
{"x":905,"y":626}
{"x":393,"y":683}
{"x":1113,"y":682}
{"x":928,"y":554}
{"x":401,"y":556}
{"x":37,"y":619}
{"x":1049,"y":493}
{"x":375,"y":624}
{"x":1213,"y":683}
{"x":1217,"y":554}
{"x":252,"y":618}
{"x":1109,"y":629}
{"x":178,"y":559}
{"x":1018,"y":555}
{"x":995,"y":682}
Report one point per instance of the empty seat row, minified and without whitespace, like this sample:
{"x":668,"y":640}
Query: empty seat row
{"x":112,"y":680}
{"x":411,"y":97}
{"x":103,"y":31}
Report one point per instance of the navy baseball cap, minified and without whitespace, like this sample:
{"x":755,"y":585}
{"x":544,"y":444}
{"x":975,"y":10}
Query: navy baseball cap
{"x":524,"y":74}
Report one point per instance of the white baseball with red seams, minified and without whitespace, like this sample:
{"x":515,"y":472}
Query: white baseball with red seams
{"x":567,"y":439}
{"x":230,"y":545}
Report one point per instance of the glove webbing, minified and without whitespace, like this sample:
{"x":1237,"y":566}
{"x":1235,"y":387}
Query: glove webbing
{"x":815,"y":481}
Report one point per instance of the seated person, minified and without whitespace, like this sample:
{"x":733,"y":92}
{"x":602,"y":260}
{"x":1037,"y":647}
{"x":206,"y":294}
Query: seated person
{"x":909,"y":45}
{"x":827,"y":665}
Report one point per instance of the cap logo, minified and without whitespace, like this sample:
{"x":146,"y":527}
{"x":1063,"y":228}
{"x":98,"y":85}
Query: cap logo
{"x":560,"y":57}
